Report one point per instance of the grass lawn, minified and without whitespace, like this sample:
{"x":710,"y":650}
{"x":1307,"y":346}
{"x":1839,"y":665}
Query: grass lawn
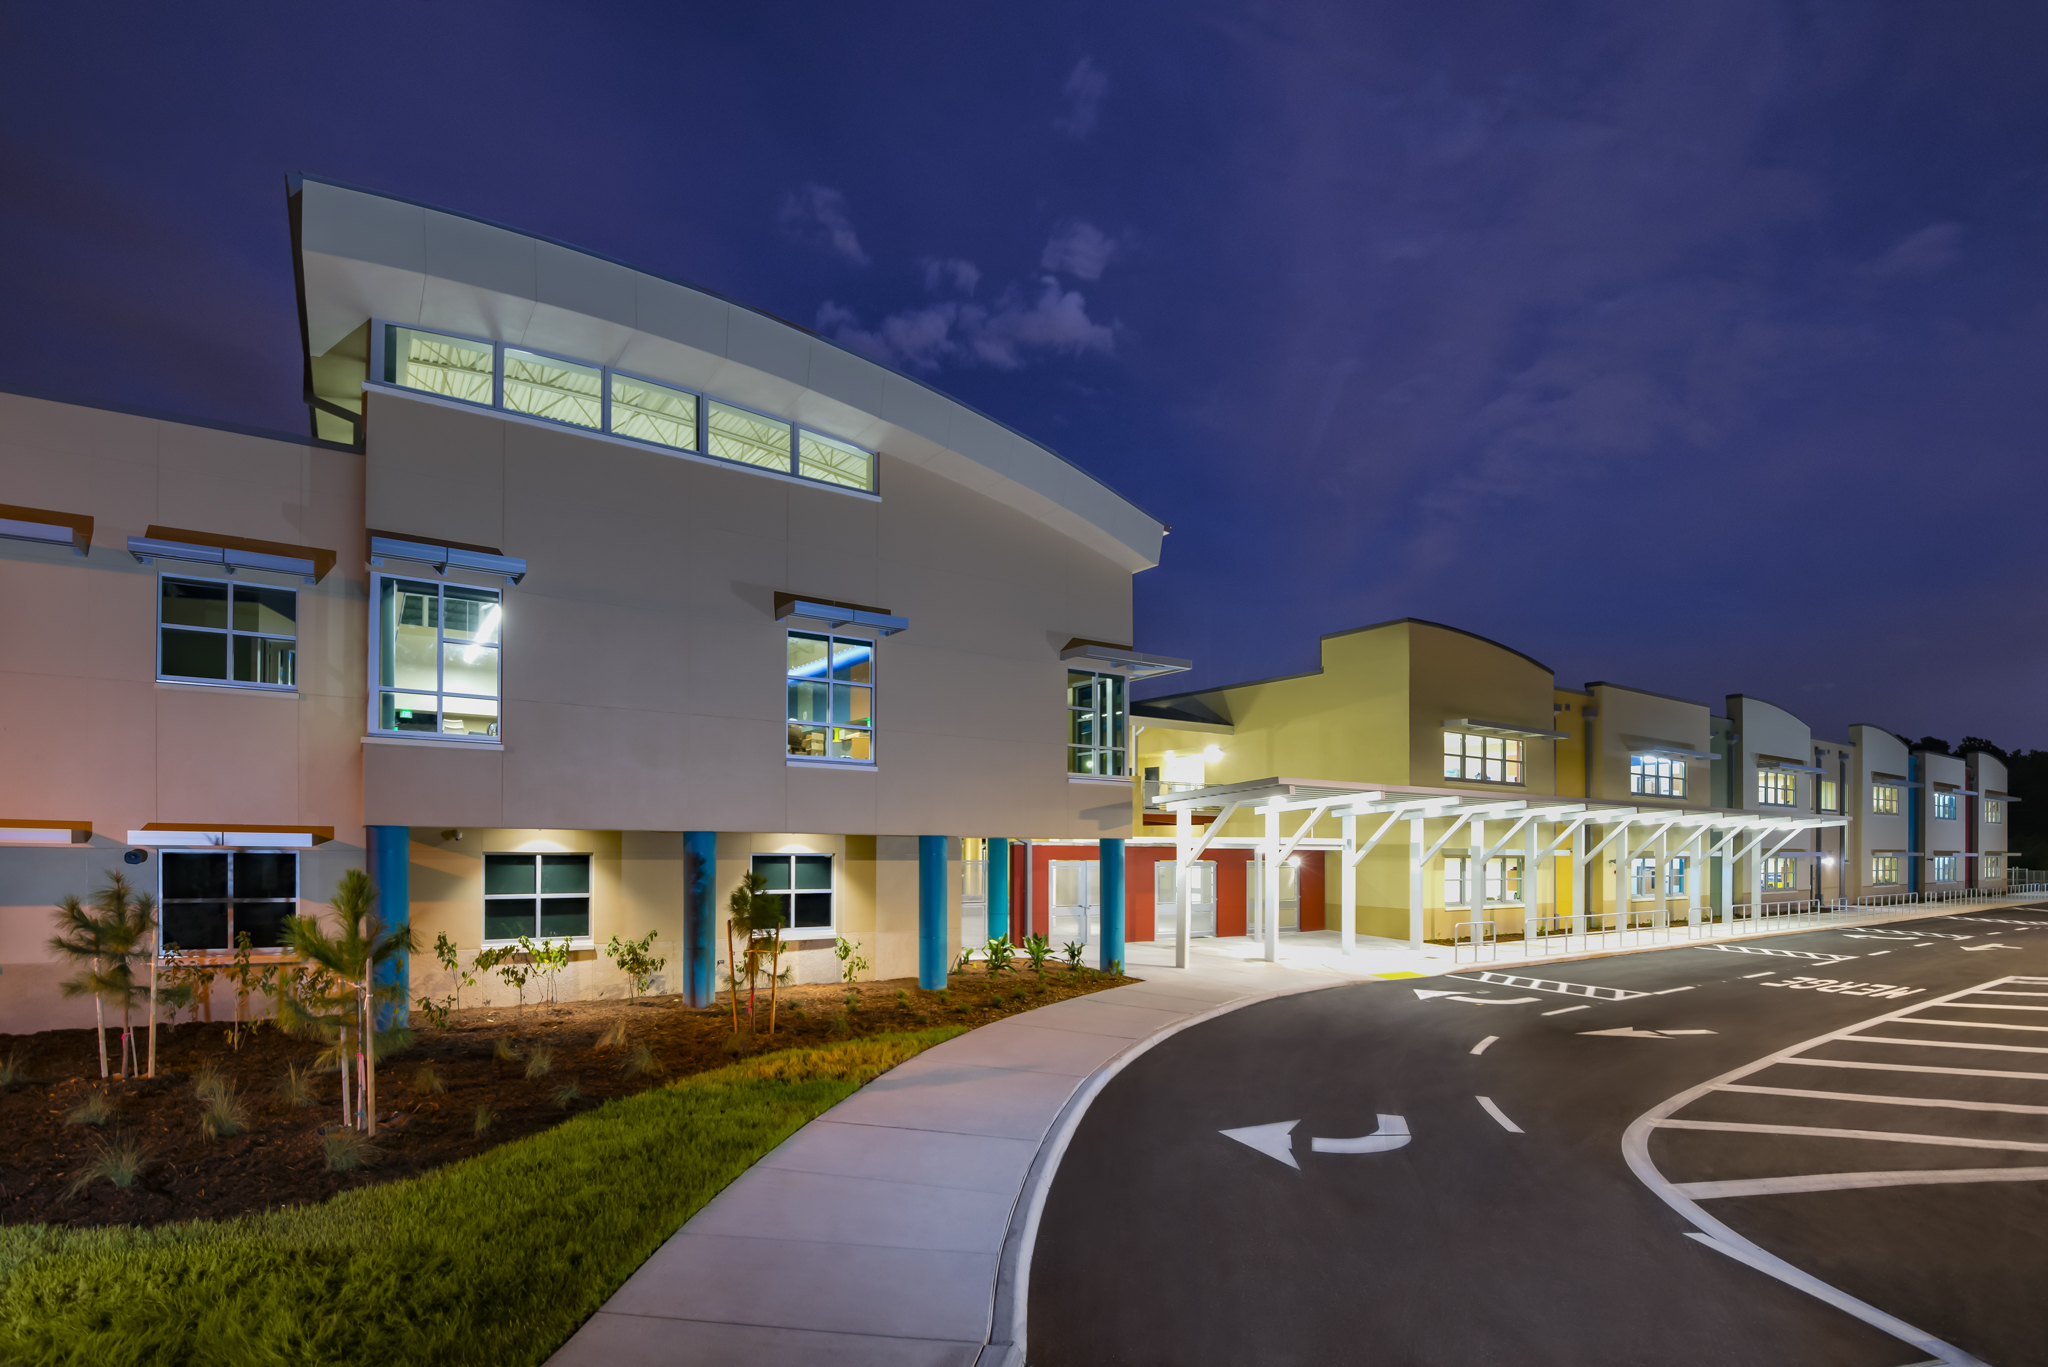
{"x":493,"y":1260}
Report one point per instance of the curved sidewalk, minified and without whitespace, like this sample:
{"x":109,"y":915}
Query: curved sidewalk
{"x":875,"y":1234}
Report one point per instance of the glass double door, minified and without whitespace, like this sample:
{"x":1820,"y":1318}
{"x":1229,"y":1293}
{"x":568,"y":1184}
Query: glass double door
{"x":1076,"y":901}
{"x":1201,"y":901}
{"x":1255,"y":896}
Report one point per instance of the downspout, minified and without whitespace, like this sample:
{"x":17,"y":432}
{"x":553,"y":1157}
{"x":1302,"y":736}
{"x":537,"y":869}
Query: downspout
{"x":1915,"y":856}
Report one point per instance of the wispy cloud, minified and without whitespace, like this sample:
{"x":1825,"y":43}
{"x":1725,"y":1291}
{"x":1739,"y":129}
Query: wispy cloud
{"x":1023,"y":325}
{"x":1085,"y":87}
{"x":950,"y":275}
{"x":816,"y":216}
{"x":1928,"y":251}
{"x":1080,"y":249}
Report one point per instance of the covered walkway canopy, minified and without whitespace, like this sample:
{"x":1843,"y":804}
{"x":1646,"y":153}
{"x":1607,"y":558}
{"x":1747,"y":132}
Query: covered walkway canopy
{"x":1354,"y":819}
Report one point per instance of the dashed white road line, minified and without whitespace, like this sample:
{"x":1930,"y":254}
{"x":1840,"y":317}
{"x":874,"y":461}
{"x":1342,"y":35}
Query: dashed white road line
{"x":1669,"y":990}
{"x":1510,"y":1126}
{"x":1887,"y":1099}
{"x":1562,"y":1009}
{"x":1851,"y":1181}
{"x":1480,"y":1047}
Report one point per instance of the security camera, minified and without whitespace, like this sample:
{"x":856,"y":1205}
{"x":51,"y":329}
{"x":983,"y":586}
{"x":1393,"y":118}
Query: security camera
{"x":135,"y":857}
{"x":451,"y":835}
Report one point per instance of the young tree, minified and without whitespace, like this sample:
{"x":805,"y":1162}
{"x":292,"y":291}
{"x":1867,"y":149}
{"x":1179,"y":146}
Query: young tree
{"x":85,"y":940}
{"x":345,"y":1013}
{"x":106,"y":937}
{"x":747,"y":908}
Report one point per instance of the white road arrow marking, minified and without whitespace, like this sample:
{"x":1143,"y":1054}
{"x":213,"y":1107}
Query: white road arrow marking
{"x":1972,"y":949}
{"x":1277,"y":1139}
{"x":1426,"y":993}
{"x":1392,"y":1134}
{"x":1630,"y":1032}
{"x":1496,"y":1001}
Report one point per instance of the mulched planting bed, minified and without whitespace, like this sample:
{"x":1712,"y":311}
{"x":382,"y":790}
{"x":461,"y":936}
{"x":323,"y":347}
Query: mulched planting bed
{"x":280,"y":1159}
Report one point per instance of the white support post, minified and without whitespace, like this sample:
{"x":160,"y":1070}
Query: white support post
{"x":1183,"y":875}
{"x":1662,"y":880}
{"x":1270,"y":893}
{"x":1415,"y":884}
{"x":1579,"y":922}
{"x":1624,"y":910}
{"x":1530,"y":877}
{"x":1695,"y":869}
{"x":1475,"y":880}
{"x":1347,"y":887}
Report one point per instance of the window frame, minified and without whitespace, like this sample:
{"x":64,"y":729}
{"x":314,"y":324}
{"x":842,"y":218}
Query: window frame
{"x":164,"y":903}
{"x":873,"y":686}
{"x":380,"y":352}
{"x":1505,"y":873}
{"x":1942,"y":805}
{"x":1885,"y":870}
{"x":1513,"y":756}
{"x":1119,"y":720}
{"x":1642,"y":878}
{"x":1885,"y":799}
{"x":376,"y":661}
{"x":1991,"y":864}
{"x":1940,"y":864}
{"x":1677,"y":872}
{"x":794,"y":932}
{"x":586,"y":940}
{"x":230,"y":584}
{"x":1769,"y":779}
{"x":1994,"y":811}
{"x":1780,"y":873}
{"x":1656,"y":775}
{"x":1827,"y":795}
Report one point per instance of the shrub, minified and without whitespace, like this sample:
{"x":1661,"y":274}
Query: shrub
{"x":295,"y":1088}
{"x":614,"y":1038}
{"x":12,"y":1069}
{"x":209,"y":1082}
{"x":540,"y":1062}
{"x":96,"y":1109}
{"x":485,"y":1118}
{"x":1037,"y":949}
{"x":999,"y":952}
{"x":121,"y":1162}
{"x":641,"y":1062}
{"x":348,"y":1150}
{"x":221,"y":1114}
{"x":505,"y":1051}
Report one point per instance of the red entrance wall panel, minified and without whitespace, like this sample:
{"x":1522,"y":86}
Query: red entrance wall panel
{"x":1309,"y":883}
{"x":1231,"y":867}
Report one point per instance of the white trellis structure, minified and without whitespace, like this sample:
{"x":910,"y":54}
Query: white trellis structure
{"x":1354,"y":819}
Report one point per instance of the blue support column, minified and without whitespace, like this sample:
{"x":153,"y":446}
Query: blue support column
{"x":931,"y":912}
{"x":700,"y":917}
{"x":998,"y":888}
{"x":1112,"y":941}
{"x":389,"y":859}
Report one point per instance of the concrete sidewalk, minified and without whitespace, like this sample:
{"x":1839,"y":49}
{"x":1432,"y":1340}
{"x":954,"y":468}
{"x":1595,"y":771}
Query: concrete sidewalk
{"x":897,"y":1227}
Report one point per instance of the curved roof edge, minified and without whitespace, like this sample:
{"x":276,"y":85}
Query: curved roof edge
{"x":1441,"y":626}
{"x":363,"y":254}
{"x":1647,"y":692}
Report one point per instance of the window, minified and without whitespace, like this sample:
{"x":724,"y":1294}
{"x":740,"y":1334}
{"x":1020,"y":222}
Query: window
{"x":436,"y":662}
{"x":653,"y":412}
{"x":1777,"y":787}
{"x":543,"y":896}
{"x":210,"y":632}
{"x":211,"y":898}
{"x":1884,"y":800}
{"x":1830,"y":795}
{"x":1642,"y":881}
{"x":1944,"y":806}
{"x":1656,"y":776}
{"x":453,"y":367}
{"x":1778,"y":873}
{"x":831,"y":697}
{"x":1482,"y":759}
{"x":802,"y":884}
{"x":1994,"y":812}
{"x":585,"y":394}
{"x":1994,"y":866}
{"x":1675,"y":875}
{"x":1503,"y":880}
{"x":735,"y":434}
{"x":1941,"y":869}
{"x":1096,"y":723}
{"x":1884,"y":868}
{"x":561,"y":391}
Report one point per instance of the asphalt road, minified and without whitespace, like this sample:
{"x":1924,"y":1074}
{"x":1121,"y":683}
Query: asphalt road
{"x":1166,"y":1241}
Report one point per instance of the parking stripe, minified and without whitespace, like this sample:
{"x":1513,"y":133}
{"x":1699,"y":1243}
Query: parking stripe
{"x":1850,"y":1181}
{"x":1887,"y":1099}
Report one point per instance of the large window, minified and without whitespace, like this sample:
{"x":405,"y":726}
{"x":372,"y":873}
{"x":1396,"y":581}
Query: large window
{"x":1503,"y":880}
{"x":1994,"y":866}
{"x":1482,"y":759}
{"x":1942,"y":869}
{"x":1777,"y":787}
{"x":1994,"y":812}
{"x":1676,"y":871}
{"x":1097,"y":724}
{"x":1642,"y":880}
{"x":544,"y":896}
{"x":587,"y":395}
{"x":801,"y":884}
{"x":212,"y":897}
{"x":436,"y":662}
{"x":1656,"y":776}
{"x":1884,"y":868}
{"x":243,"y":634}
{"x":1944,"y":806}
{"x":1884,"y":800}
{"x":831,"y":697}
{"x":1830,"y":795}
{"x":1779,"y":874}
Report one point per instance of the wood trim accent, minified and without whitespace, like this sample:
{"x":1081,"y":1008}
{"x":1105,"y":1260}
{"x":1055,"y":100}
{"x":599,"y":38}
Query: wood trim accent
{"x":319,"y":833}
{"x":79,"y":523}
{"x":1080,"y":641}
{"x":323,"y":560}
{"x":422,"y":539}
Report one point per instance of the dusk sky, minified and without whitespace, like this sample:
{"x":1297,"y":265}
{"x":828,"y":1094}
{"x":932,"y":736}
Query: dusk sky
{"x":1699,"y":347}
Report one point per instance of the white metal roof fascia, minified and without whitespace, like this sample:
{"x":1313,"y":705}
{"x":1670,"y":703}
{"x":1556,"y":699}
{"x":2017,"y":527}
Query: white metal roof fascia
{"x":179,"y":840}
{"x":366,"y":256}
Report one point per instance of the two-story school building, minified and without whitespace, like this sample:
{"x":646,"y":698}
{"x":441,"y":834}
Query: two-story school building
{"x":1473,"y":791}
{"x":586,"y":593}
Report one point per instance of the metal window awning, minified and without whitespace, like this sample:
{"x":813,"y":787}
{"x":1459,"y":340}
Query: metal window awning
{"x":173,"y":836}
{"x":441,"y":558}
{"x":1478,"y":727}
{"x":1788,"y":766}
{"x":1643,"y":745}
{"x":1107,"y":658}
{"x":232,"y":553}
{"x":47,"y":527}
{"x":45,"y":832}
{"x":829,"y":612}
